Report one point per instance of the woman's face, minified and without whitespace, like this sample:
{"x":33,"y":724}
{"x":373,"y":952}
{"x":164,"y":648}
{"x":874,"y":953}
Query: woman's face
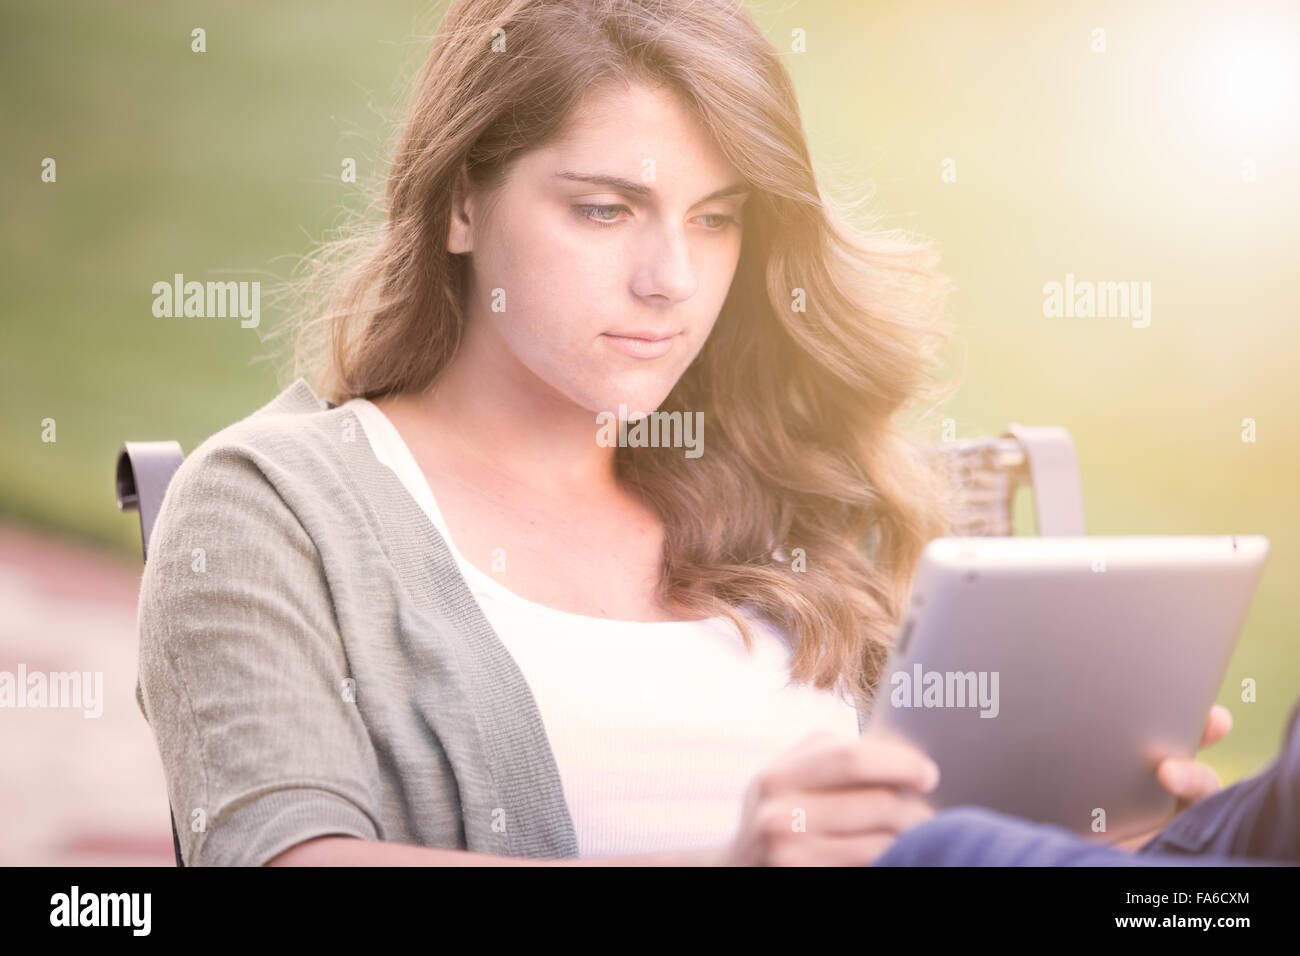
{"x":598,"y":268}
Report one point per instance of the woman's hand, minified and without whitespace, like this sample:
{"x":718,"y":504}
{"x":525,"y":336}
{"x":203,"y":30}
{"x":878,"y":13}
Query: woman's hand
{"x":1188,"y":780}
{"x":832,"y":802}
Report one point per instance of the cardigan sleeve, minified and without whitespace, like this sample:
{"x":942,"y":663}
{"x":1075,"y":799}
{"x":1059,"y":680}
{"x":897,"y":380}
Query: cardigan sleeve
{"x":243,"y":676}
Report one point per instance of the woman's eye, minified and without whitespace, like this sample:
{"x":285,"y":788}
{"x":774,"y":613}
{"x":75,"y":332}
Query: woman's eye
{"x":607,"y":214}
{"x":721,"y":221}
{"x":601,"y":214}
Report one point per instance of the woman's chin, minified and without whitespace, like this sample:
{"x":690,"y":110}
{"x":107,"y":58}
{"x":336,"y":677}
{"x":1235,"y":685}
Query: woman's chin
{"x":625,"y":403}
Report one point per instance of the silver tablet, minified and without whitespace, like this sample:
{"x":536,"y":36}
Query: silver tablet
{"x":1049,"y":676}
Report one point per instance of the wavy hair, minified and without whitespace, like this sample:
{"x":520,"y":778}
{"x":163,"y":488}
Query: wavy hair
{"x":811,"y":505}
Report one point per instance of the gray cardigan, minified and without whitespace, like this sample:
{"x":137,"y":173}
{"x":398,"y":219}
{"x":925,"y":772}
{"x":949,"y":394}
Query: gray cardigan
{"x":312,"y":661}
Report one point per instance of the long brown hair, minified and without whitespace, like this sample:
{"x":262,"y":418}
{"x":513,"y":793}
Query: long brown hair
{"x":811,"y":505}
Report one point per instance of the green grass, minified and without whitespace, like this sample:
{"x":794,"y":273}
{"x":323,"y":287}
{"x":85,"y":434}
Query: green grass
{"x":218,"y":165}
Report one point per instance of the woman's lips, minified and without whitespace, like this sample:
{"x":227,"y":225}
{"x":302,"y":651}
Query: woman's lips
{"x":644,"y":346}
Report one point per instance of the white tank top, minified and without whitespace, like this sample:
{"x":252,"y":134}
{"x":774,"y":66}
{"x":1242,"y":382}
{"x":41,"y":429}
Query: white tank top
{"x":657,"y":728}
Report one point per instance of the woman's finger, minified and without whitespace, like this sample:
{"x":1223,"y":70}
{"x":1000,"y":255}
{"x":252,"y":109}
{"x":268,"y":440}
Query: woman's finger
{"x":842,"y":813}
{"x":828,"y":762}
{"x":1188,"y":780}
{"x":1217,"y":725}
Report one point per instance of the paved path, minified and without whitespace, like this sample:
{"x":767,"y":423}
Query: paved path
{"x":75,"y":790}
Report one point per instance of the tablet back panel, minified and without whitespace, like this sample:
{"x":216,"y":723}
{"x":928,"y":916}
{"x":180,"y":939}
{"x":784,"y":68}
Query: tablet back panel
{"x":1048,"y":676}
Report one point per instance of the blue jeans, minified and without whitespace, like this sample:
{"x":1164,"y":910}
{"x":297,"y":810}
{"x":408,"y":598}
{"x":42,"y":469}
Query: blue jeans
{"x":1254,"y":821}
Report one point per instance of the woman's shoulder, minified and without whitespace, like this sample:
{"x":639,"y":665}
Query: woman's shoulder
{"x":285,"y":458}
{"x":296,"y":416}
{"x":292,"y":435}
{"x":272,"y":484}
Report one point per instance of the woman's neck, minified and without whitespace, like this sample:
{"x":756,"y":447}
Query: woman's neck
{"x":486,"y":408}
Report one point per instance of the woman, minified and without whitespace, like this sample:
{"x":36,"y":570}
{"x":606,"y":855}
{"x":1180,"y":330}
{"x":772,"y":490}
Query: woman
{"x":436,"y":619}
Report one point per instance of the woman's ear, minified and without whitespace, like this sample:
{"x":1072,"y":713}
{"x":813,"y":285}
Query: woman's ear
{"x":459,"y":237}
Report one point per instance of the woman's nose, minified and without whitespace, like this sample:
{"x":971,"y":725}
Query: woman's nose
{"x":666,"y":267}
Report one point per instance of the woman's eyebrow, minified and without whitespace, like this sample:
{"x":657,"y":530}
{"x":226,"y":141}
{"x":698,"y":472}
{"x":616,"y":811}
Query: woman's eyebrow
{"x":638,"y":189}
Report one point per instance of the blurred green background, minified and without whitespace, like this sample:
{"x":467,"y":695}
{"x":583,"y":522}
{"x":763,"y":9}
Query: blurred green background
{"x":1132,"y":162}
